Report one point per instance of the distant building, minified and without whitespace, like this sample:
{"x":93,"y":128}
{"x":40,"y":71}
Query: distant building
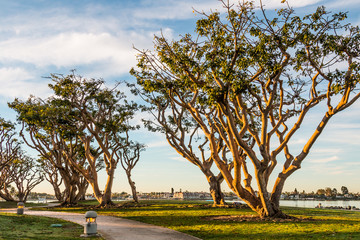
{"x":192,"y":195}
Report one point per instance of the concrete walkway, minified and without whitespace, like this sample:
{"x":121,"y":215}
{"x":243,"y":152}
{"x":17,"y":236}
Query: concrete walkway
{"x":113,"y":228}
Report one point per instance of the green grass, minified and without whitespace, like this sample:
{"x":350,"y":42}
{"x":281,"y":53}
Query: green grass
{"x":14,"y":226}
{"x":14,"y":204}
{"x":191,"y":217}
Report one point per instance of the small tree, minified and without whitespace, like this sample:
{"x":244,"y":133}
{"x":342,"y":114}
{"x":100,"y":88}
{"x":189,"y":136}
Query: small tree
{"x":320,"y":191}
{"x":334,"y":192}
{"x":244,"y":86}
{"x":344,"y":190}
{"x":328,"y":192}
{"x":129,"y":158}
{"x":25,"y":174}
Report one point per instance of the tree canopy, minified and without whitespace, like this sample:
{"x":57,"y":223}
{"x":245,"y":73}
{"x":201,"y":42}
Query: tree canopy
{"x":82,"y":127}
{"x":244,"y":84}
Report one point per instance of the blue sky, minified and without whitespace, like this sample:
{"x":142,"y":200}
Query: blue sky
{"x":39,"y":37}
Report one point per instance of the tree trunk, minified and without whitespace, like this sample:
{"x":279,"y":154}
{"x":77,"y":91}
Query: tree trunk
{"x":75,"y":189}
{"x":69,"y":196}
{"x":82,"y":186}
{"x":133,"y":187}
{"x":21,"y":197}
{"x":266,"y":205}
{"x":24,"y":196}
{"x":104,"y":198}
{"x":215,"y":191}
{"x":58,"y":194}
{"x":270,"y":212}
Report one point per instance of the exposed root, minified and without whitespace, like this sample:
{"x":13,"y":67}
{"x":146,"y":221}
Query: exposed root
{"x":65,"y":204}
{"x":230,"y":205}
{"x":105,"y":205}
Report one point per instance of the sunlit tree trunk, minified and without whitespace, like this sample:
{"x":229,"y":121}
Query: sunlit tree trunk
{"x":215,"y":190}
{"x":132,"y":186}
{"x":103,"y":197}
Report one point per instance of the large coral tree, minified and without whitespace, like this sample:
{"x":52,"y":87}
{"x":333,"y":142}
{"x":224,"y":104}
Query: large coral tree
{"x":246,"y":83}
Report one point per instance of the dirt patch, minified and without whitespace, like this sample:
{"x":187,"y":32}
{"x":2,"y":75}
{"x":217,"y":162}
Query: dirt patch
{"x":253,"y":218}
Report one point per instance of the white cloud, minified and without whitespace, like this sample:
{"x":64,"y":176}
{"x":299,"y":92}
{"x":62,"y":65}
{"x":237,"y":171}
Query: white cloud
{"x":338,"y":4}
{"x":159,"y":144}
{"x":71,"y":49}
{"x":346,"y":125}
{"x":352,"y":164}
{"x":326,"y":169}
{"x":171,"y":9}
{"x":270,"y":4}
{"x":15,"y":82}
{"x":298,"y":141}
{"x":64,"y":38}
{"x":179,"y":158}
{"x":326,"y":151}
{"x":347,"y":137}
{"x":324,"y":160}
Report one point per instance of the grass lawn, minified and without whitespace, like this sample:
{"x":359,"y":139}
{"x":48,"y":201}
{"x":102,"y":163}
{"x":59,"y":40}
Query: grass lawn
{"x":198,"y":219}
{"x":34,"y":227}
{"x":4,"y":204}
{"x":13,"y":226}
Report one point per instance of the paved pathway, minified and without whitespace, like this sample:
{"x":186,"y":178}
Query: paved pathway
{"x":113,"y":228}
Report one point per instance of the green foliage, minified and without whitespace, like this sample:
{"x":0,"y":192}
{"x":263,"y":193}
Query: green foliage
{"x":233,"y":50}
{"x":78,"y":102}
{"x":82,"y":128}
{"x":86,"y":100}
{"x":246,"y":80}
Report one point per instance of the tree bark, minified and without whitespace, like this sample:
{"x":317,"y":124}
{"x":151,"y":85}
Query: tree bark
{"x":58,"y":194}
{"x":104,"y":198}
{"x":71,"y":190}
{"x":265,"y":204}
{"x":215,"y":190}
{"x":21,"y":197}
{"x":133,"y":187}
{"x":82,"y":187}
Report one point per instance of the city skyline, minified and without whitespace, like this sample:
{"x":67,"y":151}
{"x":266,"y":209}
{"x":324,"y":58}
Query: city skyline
{"x":40,"y":37}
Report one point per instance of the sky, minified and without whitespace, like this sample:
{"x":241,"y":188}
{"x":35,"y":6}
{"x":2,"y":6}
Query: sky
{"x":97,"y":38}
